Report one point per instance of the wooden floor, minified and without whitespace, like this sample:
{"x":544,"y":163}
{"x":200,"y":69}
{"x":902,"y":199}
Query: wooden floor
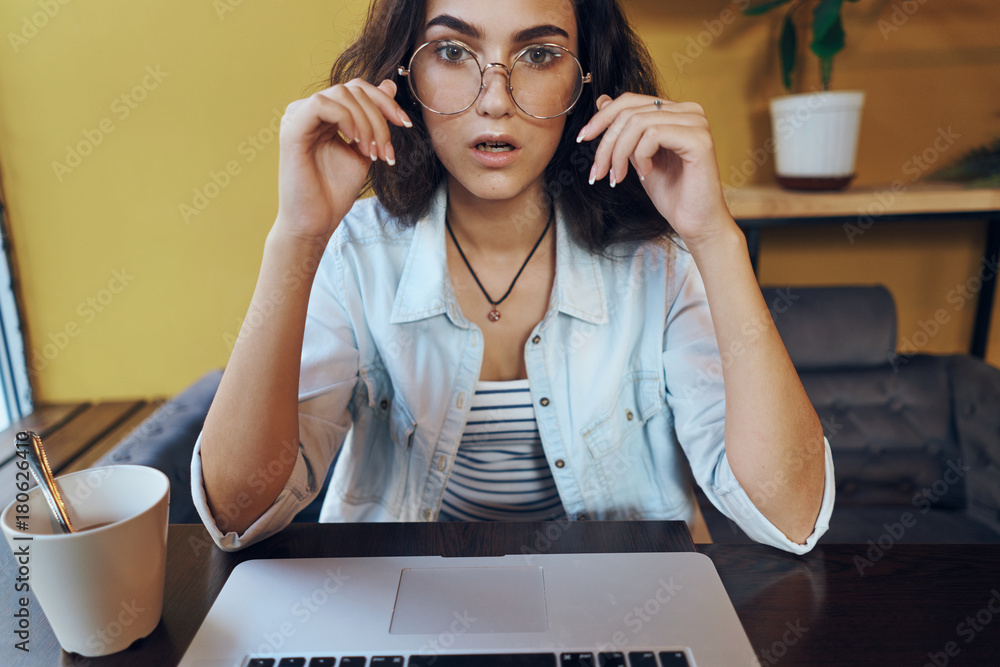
{"x":75,"y":435}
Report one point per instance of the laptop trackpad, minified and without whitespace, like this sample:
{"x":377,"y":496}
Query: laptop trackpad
{"x":460,"y":600}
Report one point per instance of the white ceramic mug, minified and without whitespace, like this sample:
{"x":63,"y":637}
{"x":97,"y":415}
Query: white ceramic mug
{"x":101,"y":588}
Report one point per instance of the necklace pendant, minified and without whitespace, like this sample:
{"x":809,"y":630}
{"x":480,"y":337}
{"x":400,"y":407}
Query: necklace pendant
{"x":494,"y":314}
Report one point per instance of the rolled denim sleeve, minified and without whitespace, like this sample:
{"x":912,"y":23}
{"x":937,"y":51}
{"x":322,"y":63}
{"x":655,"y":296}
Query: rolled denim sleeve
{"x":298,"y":491}
{"x":327,"y":379}
{"x":696,"y":395}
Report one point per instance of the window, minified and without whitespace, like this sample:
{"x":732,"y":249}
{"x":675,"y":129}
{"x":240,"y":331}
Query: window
{"x":15,"y":401}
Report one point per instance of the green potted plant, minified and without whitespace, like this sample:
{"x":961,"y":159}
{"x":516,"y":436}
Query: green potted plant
{"x":815,"y":133}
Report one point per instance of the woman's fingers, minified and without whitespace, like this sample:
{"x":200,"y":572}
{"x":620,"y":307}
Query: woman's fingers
{"x":624,"y":126}
{"x":359,"y":111}
{"x":674,"y":135}
{"x":378,"y":106}
{"x":341,"y":109}
{"x":609,"y":109}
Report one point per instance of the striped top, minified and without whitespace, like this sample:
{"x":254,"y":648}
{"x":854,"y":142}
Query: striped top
{"x":500,"y":471}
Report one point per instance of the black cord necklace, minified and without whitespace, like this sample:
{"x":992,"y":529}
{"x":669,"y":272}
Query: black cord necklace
{"x":494,"y":314}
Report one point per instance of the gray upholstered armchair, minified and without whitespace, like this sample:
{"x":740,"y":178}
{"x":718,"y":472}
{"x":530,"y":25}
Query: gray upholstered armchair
{"x":915,"y":438}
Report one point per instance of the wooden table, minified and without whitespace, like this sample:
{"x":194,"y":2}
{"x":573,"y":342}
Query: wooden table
{"x":912,"y":601}
{"x":857,"y":209}
{"x":75,"y":435}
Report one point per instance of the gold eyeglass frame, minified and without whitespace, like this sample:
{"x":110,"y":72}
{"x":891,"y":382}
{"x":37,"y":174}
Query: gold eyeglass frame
{"x":405,"y":72}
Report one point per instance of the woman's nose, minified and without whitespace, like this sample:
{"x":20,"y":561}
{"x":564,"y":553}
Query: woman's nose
{"x":495,"y":99}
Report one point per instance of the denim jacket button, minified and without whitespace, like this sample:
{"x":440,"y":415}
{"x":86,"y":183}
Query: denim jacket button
{"x":536,"y":340}
{"x":560,"y":463}
{"x":384,"y":404}
{"x":544,"y":402}
{"x":582,"y":517}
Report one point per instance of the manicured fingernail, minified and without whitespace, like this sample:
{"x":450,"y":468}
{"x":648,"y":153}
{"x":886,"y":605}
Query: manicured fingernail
{"x":582,"y":134}
{"x":390,"y":155}
{"x":641,"y":177}
{"x":612,"y":178}
{"x":405,"y":119}
{"x":374,"y":151}
{"x":593,"y":174}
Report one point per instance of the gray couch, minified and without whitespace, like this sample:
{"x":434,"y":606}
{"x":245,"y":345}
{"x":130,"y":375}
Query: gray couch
{"x":165,"y":440}
{"x":915,"y":438}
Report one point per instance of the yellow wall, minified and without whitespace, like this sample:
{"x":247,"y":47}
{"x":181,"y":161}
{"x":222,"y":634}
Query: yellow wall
{"x":924,"y":65}
{"x":182,"y":286}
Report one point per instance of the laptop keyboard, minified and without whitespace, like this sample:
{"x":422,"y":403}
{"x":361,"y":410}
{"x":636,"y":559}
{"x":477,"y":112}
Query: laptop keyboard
{"x":583,"y":659}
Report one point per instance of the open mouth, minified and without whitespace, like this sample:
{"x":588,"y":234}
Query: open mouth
{"x":490,"y":147}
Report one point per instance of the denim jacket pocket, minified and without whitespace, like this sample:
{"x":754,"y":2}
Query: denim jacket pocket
{"x":384,"y":404}
{"x":379,"y":451}
{"x":638,"y":399}
{"x":401,"y":424}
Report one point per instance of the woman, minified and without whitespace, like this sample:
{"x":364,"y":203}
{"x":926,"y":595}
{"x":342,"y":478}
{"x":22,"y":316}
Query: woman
{"x":511,"y":250}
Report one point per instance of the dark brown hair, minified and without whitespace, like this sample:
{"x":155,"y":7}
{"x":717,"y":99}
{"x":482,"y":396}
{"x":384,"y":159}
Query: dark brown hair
{"x":609,"y":48}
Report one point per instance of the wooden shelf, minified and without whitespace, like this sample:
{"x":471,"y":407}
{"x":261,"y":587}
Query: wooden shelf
{"x":772,"y":202}
{"x":768,"y":206}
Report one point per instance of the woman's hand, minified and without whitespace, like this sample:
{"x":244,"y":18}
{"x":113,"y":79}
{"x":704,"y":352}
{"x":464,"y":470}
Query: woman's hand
{"x":328,"y":142}
{"x":671,"y":149}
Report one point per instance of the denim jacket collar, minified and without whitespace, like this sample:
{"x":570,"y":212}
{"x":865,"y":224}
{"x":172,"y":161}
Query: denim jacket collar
{"x":425,"y":289}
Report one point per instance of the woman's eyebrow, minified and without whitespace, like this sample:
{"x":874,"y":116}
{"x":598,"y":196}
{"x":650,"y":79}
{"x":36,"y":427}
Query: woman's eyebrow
{"x":473,"y":32}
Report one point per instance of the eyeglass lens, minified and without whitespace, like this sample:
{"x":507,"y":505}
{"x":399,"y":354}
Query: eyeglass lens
{"x":545,"y":80}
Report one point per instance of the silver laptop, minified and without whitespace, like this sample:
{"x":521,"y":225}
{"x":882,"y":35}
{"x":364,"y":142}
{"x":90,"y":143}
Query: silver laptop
{"x":531,"y":610}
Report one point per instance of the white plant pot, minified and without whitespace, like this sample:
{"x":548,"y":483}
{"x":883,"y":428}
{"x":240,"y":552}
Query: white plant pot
{"x":816,"y":138}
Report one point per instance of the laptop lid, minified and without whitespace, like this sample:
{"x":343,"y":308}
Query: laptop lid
{"x":608,"y":609}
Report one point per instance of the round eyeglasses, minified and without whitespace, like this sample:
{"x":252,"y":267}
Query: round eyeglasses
{"x":545,"y":81}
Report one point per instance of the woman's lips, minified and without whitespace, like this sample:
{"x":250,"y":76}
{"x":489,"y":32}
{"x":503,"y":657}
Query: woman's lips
{"x":495,"y":158}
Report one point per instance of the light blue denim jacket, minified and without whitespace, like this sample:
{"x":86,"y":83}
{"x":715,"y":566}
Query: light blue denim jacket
{"x":624,"y":370}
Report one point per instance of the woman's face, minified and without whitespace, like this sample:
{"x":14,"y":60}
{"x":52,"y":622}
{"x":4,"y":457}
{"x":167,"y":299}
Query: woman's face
{"x":490,"y":28}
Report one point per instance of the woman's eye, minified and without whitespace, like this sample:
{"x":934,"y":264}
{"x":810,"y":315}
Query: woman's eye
{"x":452,"y":52}
{"x":540,"y":56}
